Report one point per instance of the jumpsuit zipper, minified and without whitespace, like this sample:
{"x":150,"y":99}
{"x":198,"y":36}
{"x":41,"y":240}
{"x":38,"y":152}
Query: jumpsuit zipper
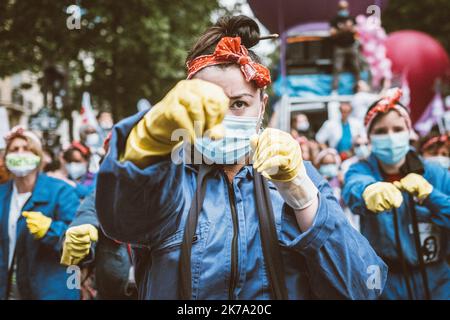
{"x":234,"y":243}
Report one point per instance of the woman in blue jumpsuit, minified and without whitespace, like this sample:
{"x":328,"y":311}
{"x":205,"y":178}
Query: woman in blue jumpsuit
{"x":404,"y":205}
{"x":35,"y":211}
{"x":267,"y":230}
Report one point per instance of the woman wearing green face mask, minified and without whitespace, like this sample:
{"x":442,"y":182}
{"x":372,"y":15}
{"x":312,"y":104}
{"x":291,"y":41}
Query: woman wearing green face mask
{"x":248,"y":218}
{"x":404,"y":205}
{"x":34,"y":213}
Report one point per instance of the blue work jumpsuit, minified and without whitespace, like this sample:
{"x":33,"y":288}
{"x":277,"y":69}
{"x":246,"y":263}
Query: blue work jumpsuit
{"x":148,"y":208}
{"x":39,"y":273}
{"x":433,"y":217}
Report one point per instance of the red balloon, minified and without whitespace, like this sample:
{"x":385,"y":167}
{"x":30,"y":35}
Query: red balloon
{"x":423,"y":59}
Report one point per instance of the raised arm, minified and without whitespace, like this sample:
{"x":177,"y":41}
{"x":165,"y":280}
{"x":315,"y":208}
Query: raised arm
{"x":139,"y":190}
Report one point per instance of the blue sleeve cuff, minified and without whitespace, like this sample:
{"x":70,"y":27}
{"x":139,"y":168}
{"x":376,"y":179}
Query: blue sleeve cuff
{"x":322,"y":227}
{"x":439,"y":205}
{"x":54,"y":235}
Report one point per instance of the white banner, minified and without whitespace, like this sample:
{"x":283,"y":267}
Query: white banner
{"x":4,"y":126}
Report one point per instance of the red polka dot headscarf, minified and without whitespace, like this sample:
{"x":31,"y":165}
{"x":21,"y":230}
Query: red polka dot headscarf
{"x":230,"y":50}
{"x":389,"y":102}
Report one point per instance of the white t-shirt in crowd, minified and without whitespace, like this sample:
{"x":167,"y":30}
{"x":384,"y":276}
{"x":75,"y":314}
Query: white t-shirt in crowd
{"x":18,"y":200}
{"x":331,"y":131}
{"x":361,"y":102}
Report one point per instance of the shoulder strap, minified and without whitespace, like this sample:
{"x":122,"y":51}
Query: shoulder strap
{"x":269,"y":238}
{"x":185,"y":275}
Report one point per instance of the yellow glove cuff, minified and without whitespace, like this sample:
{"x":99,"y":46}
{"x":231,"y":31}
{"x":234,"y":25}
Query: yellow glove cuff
{"x":299,"y":193}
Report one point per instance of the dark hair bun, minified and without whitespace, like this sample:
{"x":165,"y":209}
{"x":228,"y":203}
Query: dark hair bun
{"x":237,"y":26}
{"x":240,"y":26}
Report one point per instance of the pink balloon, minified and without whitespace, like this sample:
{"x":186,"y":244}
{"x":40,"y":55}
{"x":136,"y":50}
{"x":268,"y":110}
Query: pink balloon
{"x":360,"y":19}
{"x":370,"y":46}
{"x":423,"y":59}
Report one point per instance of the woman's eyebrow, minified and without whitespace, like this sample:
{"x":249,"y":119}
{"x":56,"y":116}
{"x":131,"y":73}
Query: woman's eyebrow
{"x":240,"y":96}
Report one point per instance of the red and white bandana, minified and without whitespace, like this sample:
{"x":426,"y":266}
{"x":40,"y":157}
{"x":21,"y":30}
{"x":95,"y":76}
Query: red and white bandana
{"x":230,"y":50}
{"x":387,"y":103}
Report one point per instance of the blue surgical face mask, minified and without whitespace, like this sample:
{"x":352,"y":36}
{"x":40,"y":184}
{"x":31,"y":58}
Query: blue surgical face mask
{"x":390,"y":148}
{"x":443,"y":161}
{"x":329,"y":170}
{"x":235,"y":144}
{"x":343,"y":13}
{"x":362,"y":151}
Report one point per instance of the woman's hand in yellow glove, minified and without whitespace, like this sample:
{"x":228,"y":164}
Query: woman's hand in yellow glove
{"x":415,"y":185}
{"x":195,"y":106}
{"x":77,"y":243}
{"x":382,"y":196}
{"x":37,"y":223}
{"x":278,"y":157}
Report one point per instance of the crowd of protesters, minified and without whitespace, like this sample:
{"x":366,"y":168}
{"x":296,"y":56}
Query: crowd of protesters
{"x":340,"y":143}
{"x":46,"y":198}
{"x":359,"y":192}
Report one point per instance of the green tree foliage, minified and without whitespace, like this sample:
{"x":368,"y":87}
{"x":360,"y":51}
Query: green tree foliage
{"x":429,"y":16}
{"x":138,"y":47}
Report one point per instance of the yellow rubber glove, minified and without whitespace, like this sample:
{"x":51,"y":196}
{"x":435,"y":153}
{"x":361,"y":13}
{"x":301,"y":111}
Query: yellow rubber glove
{"x":278,"y":157}
{"x":77,"y":243}
{"x":37,"y":223}
{"x":193,"y":105}
{"x":382,"y":196}
{"x":415,"y":185}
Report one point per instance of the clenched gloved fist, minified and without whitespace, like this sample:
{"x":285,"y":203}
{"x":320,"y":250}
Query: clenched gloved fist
{"x":193,"y":105}
{"x":278,"y":157}
{"x":382,"y":196}
{"x":415,"y":185}
{"x":77,"y":243}
{"x":37,"y":223}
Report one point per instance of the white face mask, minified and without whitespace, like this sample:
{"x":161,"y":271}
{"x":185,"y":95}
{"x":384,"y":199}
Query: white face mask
{"x":22,"y":164}
{"x":106,"y":125}
{"x":76,"y":170}
{"x":441,"y":160}
{"x":92,"y":140}
{"x":303,"y":126}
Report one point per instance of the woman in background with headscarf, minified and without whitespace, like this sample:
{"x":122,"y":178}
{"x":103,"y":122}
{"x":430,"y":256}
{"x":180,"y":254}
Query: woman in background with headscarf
{"x":328,"y":163}
{"x":437,"y":149}
{"x":404,"y":205}
{"x":35,"y":211}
